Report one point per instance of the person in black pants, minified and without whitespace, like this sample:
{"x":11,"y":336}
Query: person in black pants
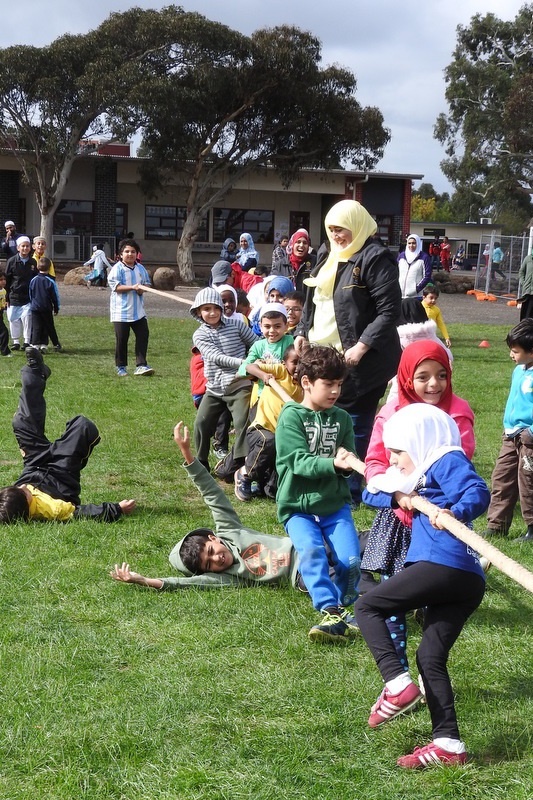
{"x":49,"y":486}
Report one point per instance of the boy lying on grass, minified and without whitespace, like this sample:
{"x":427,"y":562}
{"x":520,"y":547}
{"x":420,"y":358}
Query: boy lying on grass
{"x":49,"y":487}
{"x":231,"y":555}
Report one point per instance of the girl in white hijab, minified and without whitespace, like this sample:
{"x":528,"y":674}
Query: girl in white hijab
{"x":443,"y":575}
{"x":414,"y":268}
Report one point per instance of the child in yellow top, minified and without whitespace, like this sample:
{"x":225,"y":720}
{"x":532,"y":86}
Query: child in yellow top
{"x":430,"y":295}
{"x":260,"y":463}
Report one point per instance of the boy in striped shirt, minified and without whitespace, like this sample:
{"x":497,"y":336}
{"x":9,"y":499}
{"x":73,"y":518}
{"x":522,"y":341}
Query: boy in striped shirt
{"x":223,"y":344}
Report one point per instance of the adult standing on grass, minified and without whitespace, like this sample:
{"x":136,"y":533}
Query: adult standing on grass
{"x":126,"y":281}
{"x":414,"y":267}
{"x":8,"y":245}
{"x":525,"y":278}
{"x":353,"y":302}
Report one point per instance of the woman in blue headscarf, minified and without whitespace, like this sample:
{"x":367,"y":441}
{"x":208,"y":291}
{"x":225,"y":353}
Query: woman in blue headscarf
{"x":247,"y":255}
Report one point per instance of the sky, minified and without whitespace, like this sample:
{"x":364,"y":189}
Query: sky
{"x":397,"y":49}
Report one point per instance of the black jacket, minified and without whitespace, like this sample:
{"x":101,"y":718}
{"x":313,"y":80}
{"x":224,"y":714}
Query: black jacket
{"x":367,"y":302}
{"x":18,"y":277}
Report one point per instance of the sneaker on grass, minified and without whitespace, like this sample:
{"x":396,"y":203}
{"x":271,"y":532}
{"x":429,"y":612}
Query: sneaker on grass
{"x":334,"y":629}
{"x":243,"y":486}
{"x":388,"y":706}
{"x":122,"y":372}
{"x":144,"y":370}
{"x":430,"y":755}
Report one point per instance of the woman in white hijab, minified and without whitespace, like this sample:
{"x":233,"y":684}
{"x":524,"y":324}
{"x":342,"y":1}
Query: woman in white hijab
{"x":414,"y":268}
{"x":353,"y":303}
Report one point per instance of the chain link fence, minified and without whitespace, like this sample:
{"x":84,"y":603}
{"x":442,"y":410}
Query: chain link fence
{"x":498,"y":264}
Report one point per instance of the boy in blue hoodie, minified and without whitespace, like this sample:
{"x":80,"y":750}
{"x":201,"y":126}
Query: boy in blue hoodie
{"x":512,"y":477}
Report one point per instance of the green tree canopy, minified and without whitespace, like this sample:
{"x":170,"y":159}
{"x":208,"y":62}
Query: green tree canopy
{"x":54,"y":97}
{"x":488,"y":130}
{"x":232,"y":104}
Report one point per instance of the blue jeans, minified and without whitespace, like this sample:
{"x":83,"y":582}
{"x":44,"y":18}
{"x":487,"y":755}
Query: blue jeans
{"x":310,"y":534}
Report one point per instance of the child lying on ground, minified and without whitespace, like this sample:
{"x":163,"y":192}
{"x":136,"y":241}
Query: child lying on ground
{"x":231,"y":555}
{"x":49,"y":487}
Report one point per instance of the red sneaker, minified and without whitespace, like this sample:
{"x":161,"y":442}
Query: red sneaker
{"x":429,"y":756}
{"x":389,"y":706}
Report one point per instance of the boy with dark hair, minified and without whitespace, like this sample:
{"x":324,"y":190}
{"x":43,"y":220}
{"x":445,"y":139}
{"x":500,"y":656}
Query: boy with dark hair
{"x":126,"y":281}
{"x":294,"y":305}
{"x":231,"y":555}
{"x":49,"y":487}
{"x":313,"y":443}
{"x":44,"y":303}
{"x":430,"y":295}
{"x":512,"y":477}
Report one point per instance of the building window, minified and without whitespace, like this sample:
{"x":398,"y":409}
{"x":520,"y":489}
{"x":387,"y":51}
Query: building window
{"x":74,"y":218}
{"x":231,"y":222}
{"x":121,"y":220}
{"x":166,"y":222}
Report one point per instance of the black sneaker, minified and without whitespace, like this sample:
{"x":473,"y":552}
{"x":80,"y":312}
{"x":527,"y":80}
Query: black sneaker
{"x":334,"y":629}
{"x":58,"y":348}
{"x":15,"y":346}
{"x":35,"y":360}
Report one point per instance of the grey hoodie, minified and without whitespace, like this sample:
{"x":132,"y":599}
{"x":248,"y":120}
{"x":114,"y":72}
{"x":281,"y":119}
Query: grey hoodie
{"x":258,"y":558}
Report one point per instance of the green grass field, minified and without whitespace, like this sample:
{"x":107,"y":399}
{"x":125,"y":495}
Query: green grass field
{"x":114,"y":691}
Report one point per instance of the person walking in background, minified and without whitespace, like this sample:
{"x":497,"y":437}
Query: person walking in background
{"x":434,"y":252}
{"x":100,"y":265}
{"x":414,"y":268}
{"x":126,"y":281}
{"x":497,"y":262}
{"x":445,"y":254}
{"x":525,"y":283}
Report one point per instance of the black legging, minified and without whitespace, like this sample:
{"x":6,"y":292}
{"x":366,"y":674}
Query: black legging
{"x":449,"y":597}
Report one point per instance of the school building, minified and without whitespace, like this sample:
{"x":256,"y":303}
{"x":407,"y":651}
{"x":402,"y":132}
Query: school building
{"x":103,"y":201}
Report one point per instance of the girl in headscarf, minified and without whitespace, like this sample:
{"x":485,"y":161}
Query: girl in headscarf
{"x":443,"y":575}
{"x":229,"y":250}
{"x":353,"y":302}
{"x":414,"y":268}
{"x":424,"y":377}
{"x":247,"y":255}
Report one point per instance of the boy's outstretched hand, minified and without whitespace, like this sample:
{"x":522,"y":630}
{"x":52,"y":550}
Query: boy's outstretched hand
{"x":126,"y":575}
{"x":127,"y":506}
{"x":183,"y":440}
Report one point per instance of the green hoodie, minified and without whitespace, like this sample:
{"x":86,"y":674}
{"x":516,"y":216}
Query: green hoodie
{"x":257,"y":557}
{"x":306,"y":443}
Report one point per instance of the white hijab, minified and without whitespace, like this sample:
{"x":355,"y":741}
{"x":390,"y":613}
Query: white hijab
{"x":412,"y":255}
{"x":425,"y":433}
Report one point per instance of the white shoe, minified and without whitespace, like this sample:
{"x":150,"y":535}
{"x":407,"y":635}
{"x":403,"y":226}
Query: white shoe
{"x":144,"y":370}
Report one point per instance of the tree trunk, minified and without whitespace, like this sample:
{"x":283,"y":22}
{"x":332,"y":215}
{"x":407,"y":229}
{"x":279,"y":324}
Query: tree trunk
{"x":47,"y":230}
{"x":184,"y":251}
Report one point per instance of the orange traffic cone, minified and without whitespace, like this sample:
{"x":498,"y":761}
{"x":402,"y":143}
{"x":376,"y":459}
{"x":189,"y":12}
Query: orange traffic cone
{"x":484,"y":343}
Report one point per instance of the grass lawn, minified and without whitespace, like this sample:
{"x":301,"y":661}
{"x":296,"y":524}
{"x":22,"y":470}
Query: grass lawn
{"x":113,"y":691}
